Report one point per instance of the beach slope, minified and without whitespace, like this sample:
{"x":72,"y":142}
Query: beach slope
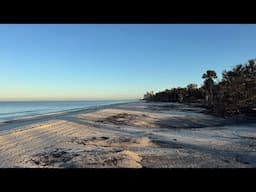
{"x":131,"y":135}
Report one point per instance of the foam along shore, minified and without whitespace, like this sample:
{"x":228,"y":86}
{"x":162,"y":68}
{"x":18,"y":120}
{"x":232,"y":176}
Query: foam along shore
{"x":129,"y":135}
{"x":25,"y":120}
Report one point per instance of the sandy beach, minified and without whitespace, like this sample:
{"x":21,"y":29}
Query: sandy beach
{"x":130,"y":135}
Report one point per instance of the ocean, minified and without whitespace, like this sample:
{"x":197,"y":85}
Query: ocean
{"x":13,"y":110}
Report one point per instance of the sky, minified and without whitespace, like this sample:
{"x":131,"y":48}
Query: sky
{"x":115,"y":61}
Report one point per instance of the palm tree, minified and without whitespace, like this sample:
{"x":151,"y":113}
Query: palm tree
{"x":209,"y":77}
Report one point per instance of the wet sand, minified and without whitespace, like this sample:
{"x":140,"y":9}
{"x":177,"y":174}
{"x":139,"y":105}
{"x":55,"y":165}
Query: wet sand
{"x":131,"y":135}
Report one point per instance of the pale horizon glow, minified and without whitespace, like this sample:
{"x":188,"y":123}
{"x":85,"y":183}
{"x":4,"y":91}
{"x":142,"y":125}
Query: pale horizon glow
{"x":114,"y":62}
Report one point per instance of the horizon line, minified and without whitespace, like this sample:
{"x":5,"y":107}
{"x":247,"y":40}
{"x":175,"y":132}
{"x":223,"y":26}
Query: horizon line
{"x":23,"y":100}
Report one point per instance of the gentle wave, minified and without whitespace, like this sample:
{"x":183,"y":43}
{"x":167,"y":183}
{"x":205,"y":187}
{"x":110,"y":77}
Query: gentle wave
{"x":10,"y":111}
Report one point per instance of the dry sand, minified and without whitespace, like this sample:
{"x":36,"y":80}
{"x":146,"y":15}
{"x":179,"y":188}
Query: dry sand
{"x":134,"y":135}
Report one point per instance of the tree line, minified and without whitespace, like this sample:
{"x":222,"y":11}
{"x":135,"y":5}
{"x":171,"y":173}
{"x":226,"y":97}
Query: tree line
{"x":235,"y":93}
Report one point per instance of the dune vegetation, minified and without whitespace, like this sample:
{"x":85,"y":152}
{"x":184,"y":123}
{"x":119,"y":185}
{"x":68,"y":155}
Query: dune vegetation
{"x":234,"y":94}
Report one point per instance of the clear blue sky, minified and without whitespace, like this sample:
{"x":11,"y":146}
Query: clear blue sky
{"x":114,"y":61}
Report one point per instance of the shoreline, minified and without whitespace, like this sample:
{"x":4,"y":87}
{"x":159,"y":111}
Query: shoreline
{"x":128,"y":135}
{"x":56,"y":112}
{"x":5,"y":125}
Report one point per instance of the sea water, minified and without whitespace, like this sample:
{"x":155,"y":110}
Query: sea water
{"x":19,"y":109}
